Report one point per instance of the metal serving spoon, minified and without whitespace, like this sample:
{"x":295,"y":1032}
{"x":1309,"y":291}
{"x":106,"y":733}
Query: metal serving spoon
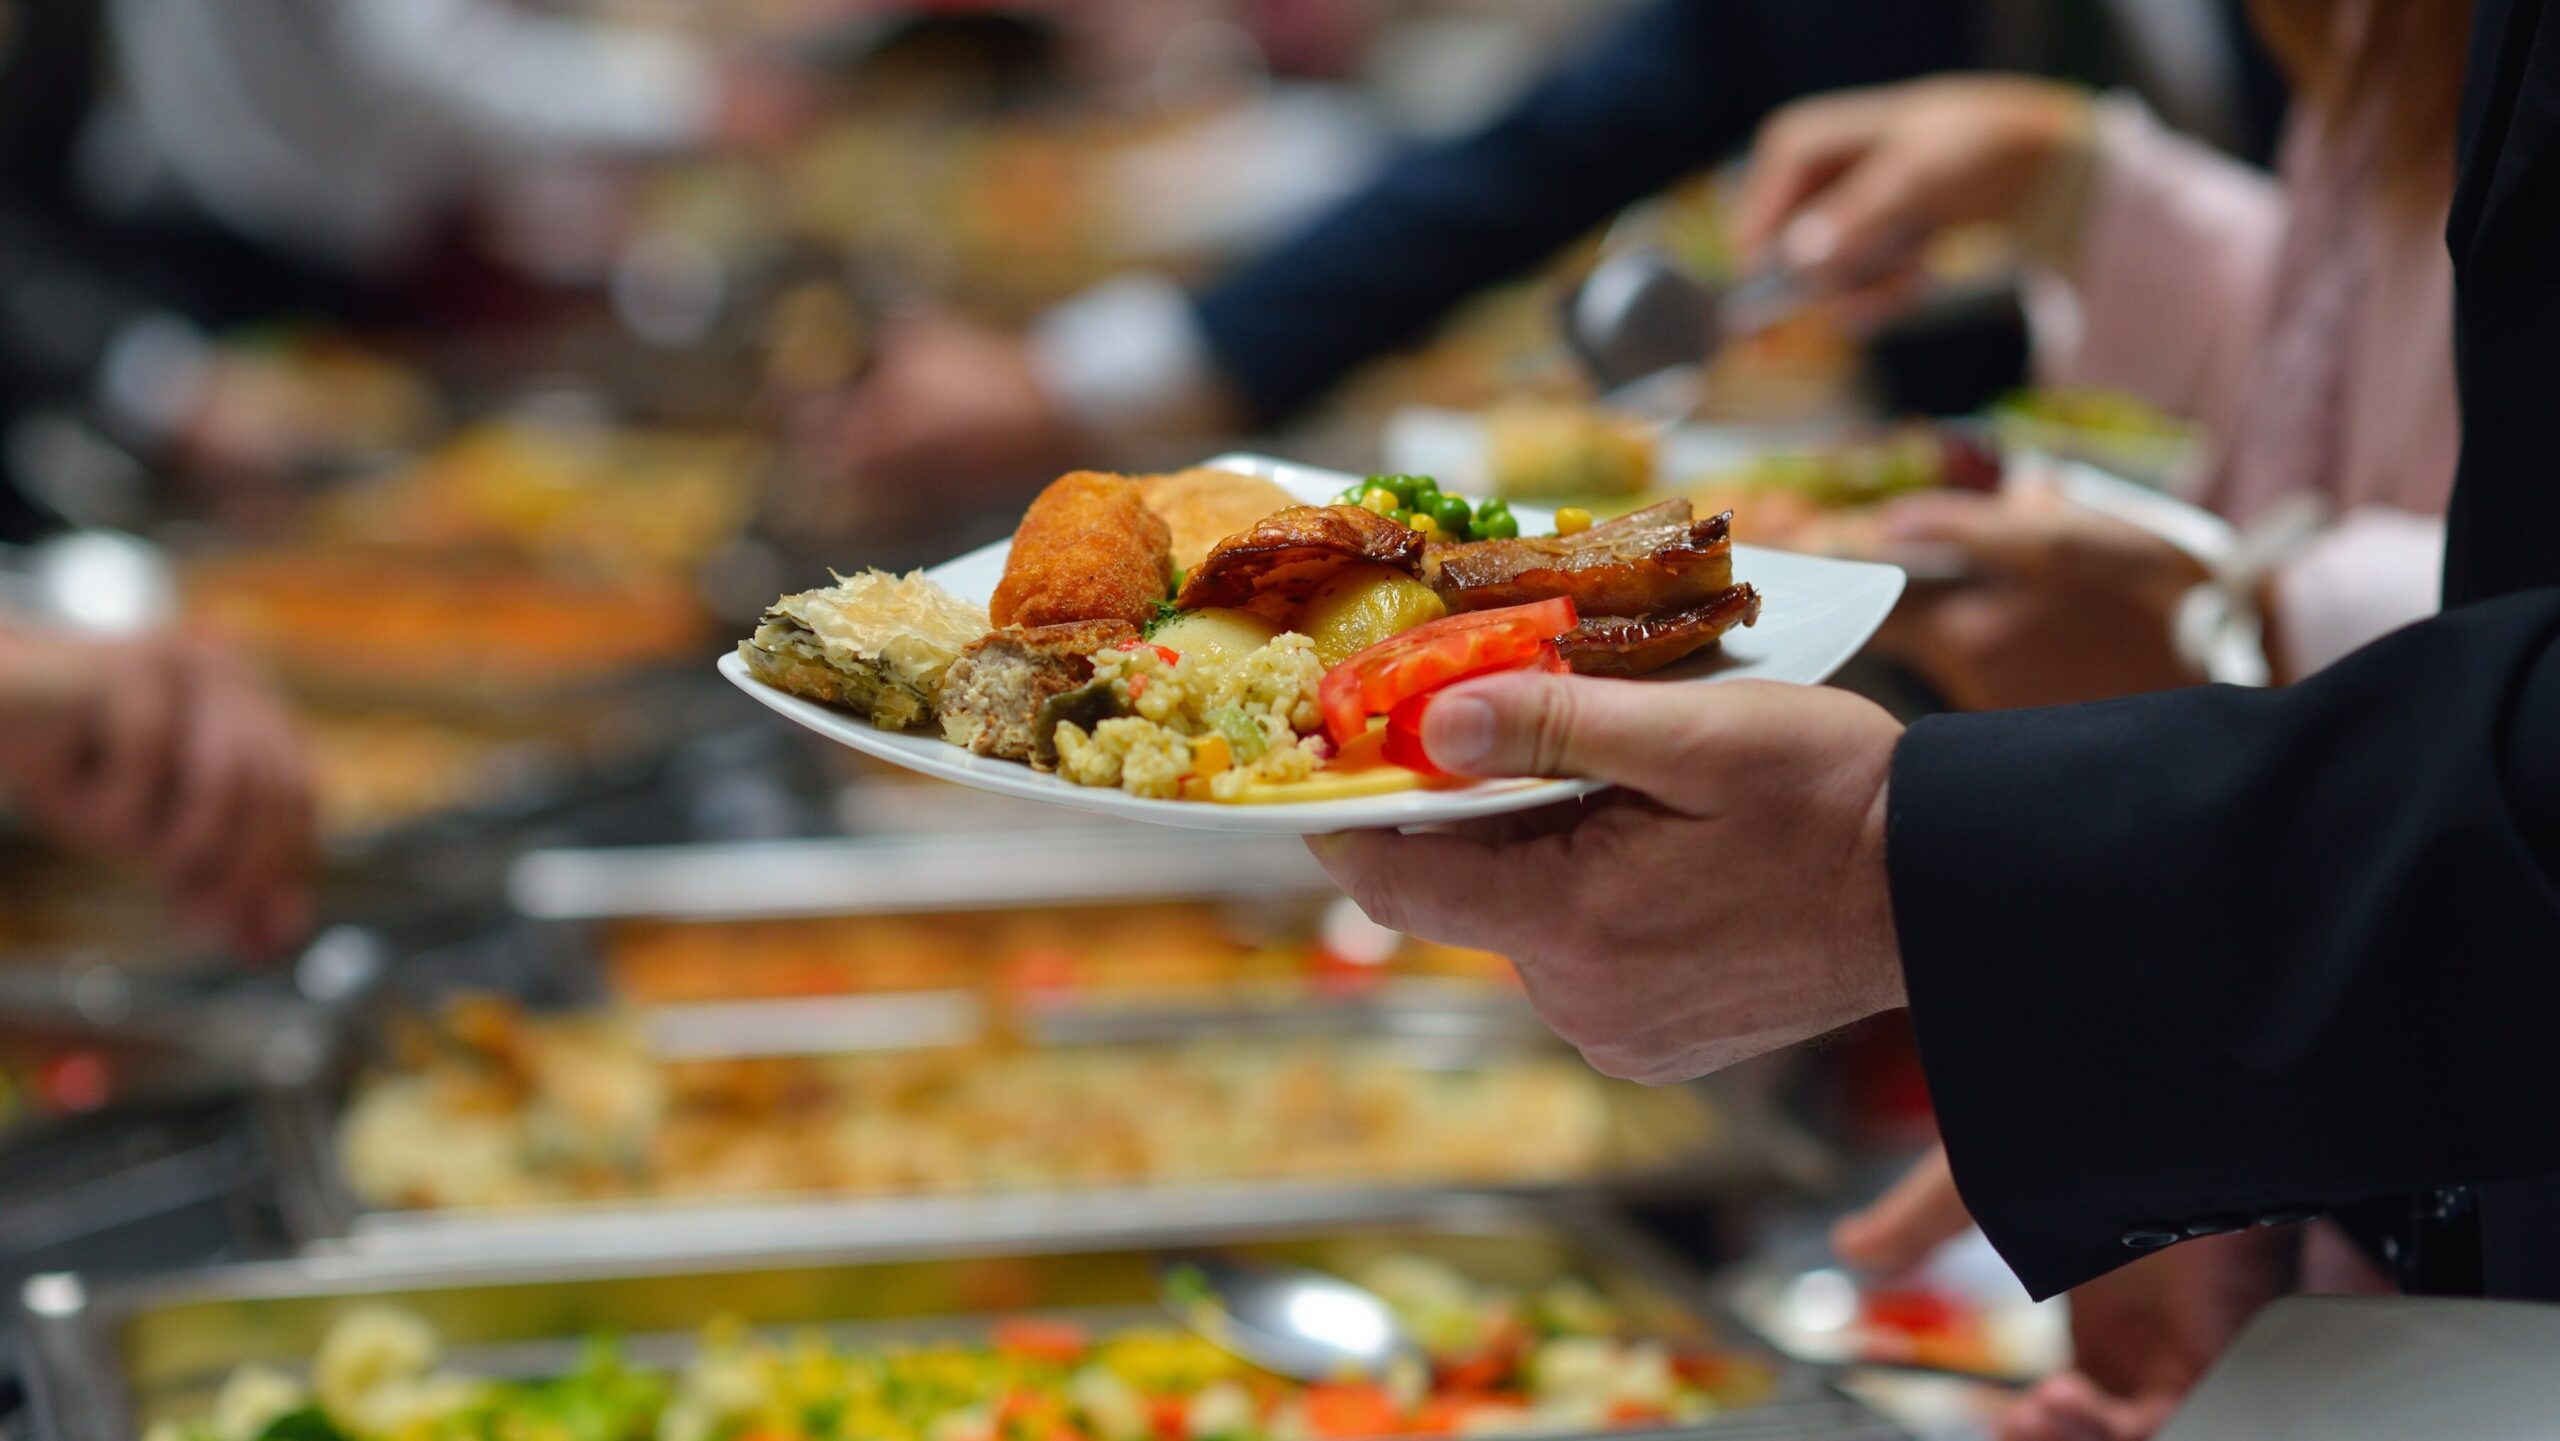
{"x":1290,"y":1319}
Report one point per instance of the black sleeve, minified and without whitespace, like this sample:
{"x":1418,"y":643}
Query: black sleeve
{"x":2186,"y":962}
{"x":1680,"y":84}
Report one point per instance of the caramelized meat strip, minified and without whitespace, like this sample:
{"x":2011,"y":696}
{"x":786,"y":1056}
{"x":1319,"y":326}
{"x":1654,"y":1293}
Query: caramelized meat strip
{"x":1625,"y":645}
{"x":1280,"y":562}
{"x":1088,"y":549}
{"x":992,"y":696}
{"x":1656,"y":560}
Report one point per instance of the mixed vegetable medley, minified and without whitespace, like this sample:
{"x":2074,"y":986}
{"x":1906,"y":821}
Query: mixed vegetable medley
{"x":1502,"y":1361}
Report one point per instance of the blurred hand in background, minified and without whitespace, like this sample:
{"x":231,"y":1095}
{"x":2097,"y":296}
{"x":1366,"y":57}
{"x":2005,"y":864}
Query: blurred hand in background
{"x":2062,"y":604}
{"x":1846,"y":187}
{"x":2140,"y":1336}
{"x":764,"y":103}
{"x":950,"y":411}
{"x":167,"y":753}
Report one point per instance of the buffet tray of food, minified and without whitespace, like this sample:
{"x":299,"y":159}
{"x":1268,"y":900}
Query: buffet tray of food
{"x":498,"y":1131}
{"x":1525,"y":1319}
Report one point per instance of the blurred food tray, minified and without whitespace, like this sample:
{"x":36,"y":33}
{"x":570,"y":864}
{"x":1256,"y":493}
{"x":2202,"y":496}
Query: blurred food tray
{"x":106,"y":1359}
{"x":924,"y":1142}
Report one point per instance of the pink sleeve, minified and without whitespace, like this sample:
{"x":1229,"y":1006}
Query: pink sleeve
{"x":2170,"y":290}
{"x":2371,"y":573}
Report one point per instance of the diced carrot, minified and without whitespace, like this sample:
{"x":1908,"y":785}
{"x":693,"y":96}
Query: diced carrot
{"x":1480,"y":1372}
{"x":1628,"y":1413}
{"x":1345,"y":1411}
{"x":1169,"y":1417}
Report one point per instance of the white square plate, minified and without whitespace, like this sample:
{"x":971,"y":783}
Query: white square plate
{"x":1815,"y":614}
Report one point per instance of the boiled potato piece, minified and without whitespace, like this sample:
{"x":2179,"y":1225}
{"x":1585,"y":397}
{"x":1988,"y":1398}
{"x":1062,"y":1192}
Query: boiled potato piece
{"x":1363,"y":606}
{"x":1229,"y":635}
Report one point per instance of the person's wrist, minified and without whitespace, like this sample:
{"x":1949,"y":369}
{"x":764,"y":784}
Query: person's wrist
{"x":2053,"y":211}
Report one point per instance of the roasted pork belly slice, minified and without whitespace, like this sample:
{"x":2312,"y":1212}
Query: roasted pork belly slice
{"x":1277,"y":564}
{"x":1660,"y":559}
{"x":1624,"y":645}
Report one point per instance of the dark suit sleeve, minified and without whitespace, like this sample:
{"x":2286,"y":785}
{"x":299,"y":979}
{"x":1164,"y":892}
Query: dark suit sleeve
{"x":2198,"y":959}
{"x":2185,"y":962}
{"x":1680,"y":84}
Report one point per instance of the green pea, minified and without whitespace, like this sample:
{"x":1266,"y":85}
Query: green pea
{"x":1497,"y":525}
{"x":1451,"y":514}
{"x":1425,"y":491}
{"x":1401,"y":486}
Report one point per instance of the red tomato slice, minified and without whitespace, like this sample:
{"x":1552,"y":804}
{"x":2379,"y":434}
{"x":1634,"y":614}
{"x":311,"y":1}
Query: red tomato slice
{"x":1435,"y":654}
{"x":1404,"y":723}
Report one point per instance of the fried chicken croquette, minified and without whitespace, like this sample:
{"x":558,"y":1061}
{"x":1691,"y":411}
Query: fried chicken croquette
{"x":1088,"y":549}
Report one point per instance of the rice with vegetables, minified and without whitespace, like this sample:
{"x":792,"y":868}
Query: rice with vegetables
{"x":1201,"y":724}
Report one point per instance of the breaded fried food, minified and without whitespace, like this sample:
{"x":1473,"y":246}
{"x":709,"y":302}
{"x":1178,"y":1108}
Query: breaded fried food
{"x":1088,"y":549}
{"x":1273,"y":568}
{"x":874,"y":643}
{"x":1628,"y":645}
{"x":1656,"y":561}
{"x":1203,"y":506}
{"x":992,"y":698}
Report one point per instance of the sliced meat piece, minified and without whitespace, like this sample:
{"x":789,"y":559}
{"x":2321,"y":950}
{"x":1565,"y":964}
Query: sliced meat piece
{"x":992,"y":695}
{"x":1276,"y":565}
{"x":1657,"y":560}
{"x":1624,"y":645}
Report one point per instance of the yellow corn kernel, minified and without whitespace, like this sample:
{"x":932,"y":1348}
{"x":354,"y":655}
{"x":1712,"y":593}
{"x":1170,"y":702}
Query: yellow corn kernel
{"x":1379,"y":499}
{"x":1428,"y":525}
{"x":1572,"y":520}
{"x":1211,"y":755}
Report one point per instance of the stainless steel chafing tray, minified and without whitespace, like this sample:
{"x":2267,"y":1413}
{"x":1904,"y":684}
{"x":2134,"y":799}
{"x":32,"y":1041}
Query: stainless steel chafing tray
{"x":1726,"y":1136}
{"x":1723,"y":1136}
{"x":1081,"y":865}
{"x":105,"y":1359}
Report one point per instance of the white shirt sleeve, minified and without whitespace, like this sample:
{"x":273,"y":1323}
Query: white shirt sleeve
{"x":1127,"y":355}
{"x":2373,"y":572}
{"x":508,"y":77}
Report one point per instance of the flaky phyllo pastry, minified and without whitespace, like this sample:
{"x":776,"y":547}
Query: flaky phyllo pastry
{"x":874,"y":643}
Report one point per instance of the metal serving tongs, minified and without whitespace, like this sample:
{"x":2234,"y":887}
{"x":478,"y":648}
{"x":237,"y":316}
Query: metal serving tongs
{"x":1648,"y":331}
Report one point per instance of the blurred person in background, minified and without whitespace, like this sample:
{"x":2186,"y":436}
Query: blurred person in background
{"x":168,"y":754}
{"x":2305,"y":319}
{"x":1673,"y":87}
{"x":170,"y":169}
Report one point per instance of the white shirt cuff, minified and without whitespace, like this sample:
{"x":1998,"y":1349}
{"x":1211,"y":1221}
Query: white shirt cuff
{"x":1127,"y":355}
{"x":2373,"y":572}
